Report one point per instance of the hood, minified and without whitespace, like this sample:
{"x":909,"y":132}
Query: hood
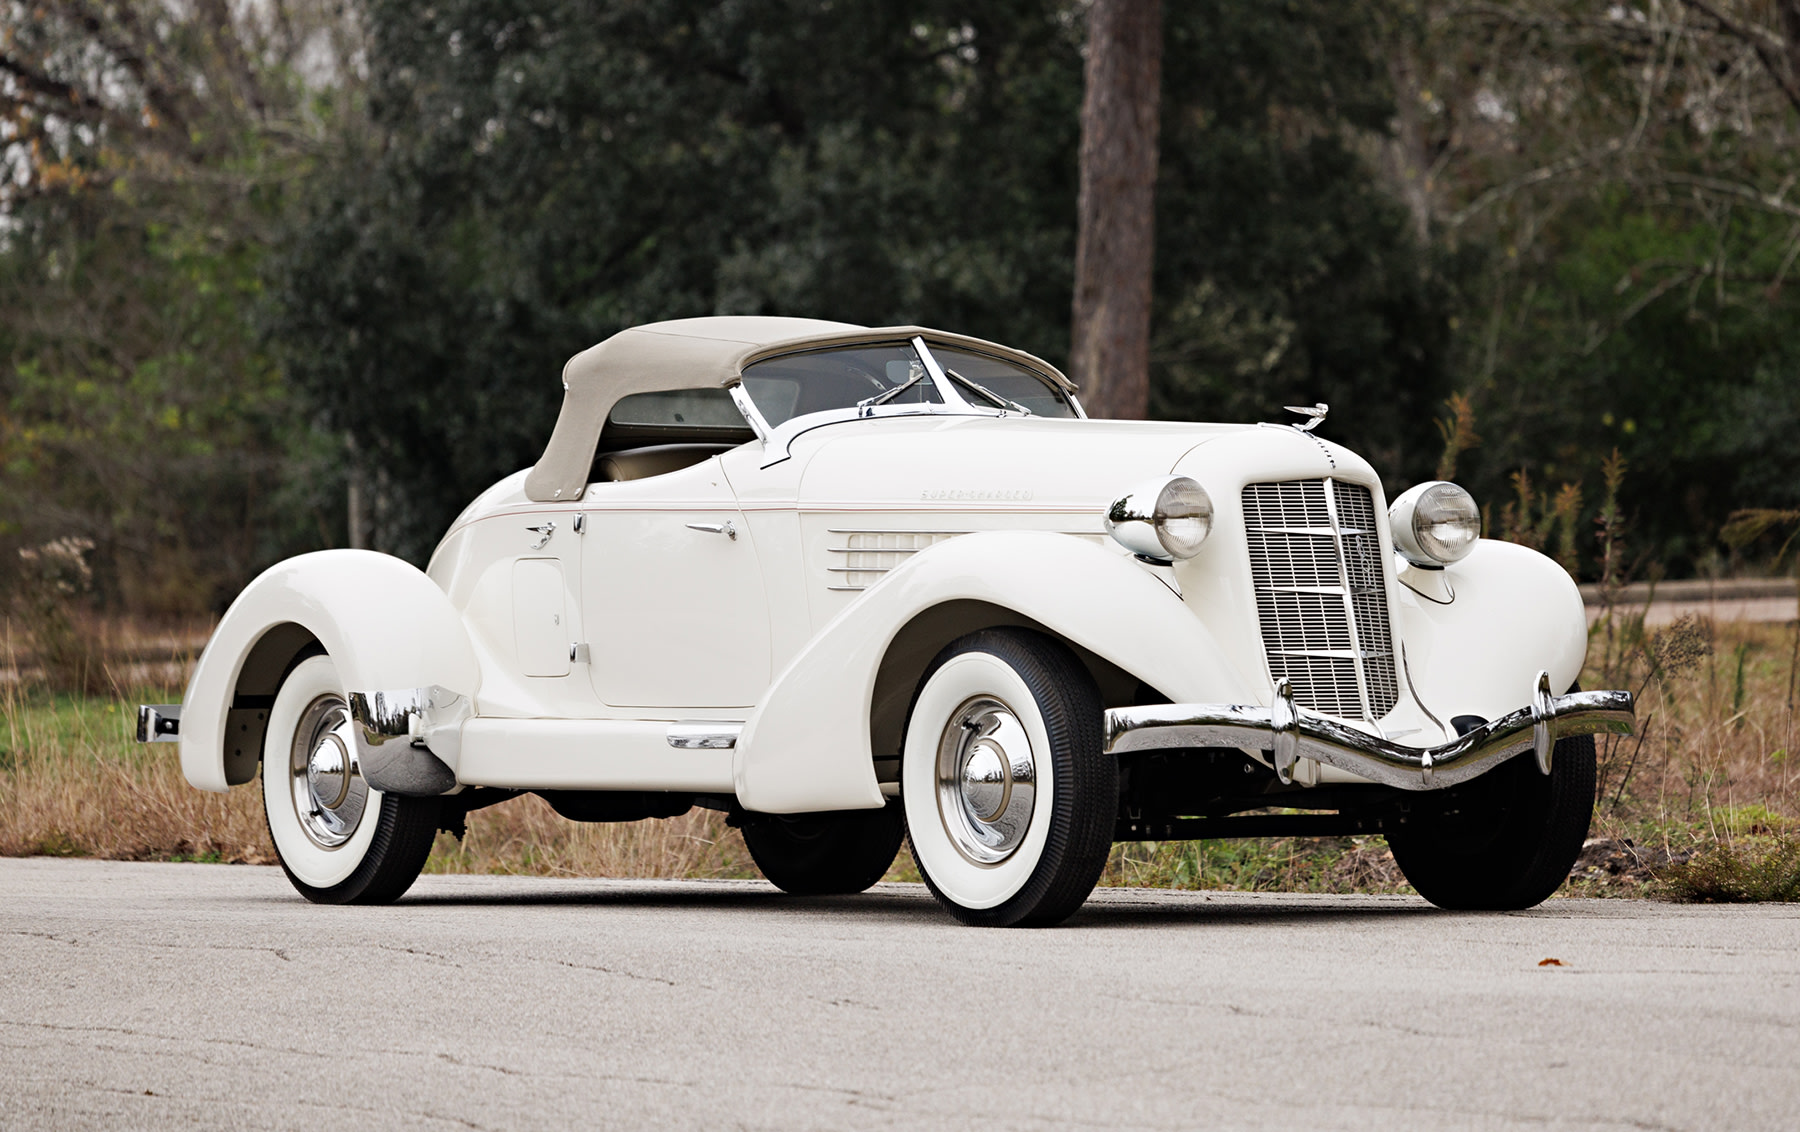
{"x":1032,"y":464}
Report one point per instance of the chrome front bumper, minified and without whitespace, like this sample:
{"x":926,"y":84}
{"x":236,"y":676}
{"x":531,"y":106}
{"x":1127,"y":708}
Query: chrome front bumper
{"x":1290,"y":733}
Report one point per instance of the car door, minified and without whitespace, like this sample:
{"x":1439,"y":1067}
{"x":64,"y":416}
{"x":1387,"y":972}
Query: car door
{"x":672,"y":594}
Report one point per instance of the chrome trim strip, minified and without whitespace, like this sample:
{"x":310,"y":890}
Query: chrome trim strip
{"x":159,"y":723}
{"x":783,"y":435}
{"x":1291,"y":733}
{"x":1330,"y":654}
{"x":390,"y":744}
{"x":704,"y":735}
{"x":886,"y":531}
{"x":1414,"y":689}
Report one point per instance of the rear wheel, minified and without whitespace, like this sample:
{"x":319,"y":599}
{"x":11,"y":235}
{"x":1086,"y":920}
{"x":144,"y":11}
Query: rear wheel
{"x":339,"y":840}
{"x":825,"y":854}
{"x":1506,"y":840}
{"x":1010,"y":801}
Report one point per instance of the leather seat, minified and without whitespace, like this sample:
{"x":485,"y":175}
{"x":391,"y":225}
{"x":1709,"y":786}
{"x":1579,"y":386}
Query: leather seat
{"x":654,"y":460}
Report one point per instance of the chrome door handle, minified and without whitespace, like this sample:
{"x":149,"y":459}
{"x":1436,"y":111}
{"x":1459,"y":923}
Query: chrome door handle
{"x":544,"y":531}
{"x":725,"y":528}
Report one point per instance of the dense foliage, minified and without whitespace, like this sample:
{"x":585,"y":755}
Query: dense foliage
{"x":242,"y":273}
{"x":146,"y":165}
{"x":539,"y":177}
{"x":545,"y":179}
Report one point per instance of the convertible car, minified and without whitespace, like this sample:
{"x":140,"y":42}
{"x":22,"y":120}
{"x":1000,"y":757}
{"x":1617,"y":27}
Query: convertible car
{"x":853,"y":585}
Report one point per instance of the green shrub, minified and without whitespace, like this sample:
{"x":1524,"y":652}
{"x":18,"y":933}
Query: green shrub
{"x":1748,"y":870}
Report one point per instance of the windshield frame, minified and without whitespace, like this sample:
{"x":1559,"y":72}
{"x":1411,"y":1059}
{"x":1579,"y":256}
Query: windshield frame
{"x":776,"y":439}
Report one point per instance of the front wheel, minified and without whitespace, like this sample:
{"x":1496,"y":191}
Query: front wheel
{"x":1010,"y":801}
{"x":825,"y":854}
{"x":1504,"y":841}
{"x":339,"y":840}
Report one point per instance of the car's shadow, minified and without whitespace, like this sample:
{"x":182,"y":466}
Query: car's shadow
{"x":1138,"y":909}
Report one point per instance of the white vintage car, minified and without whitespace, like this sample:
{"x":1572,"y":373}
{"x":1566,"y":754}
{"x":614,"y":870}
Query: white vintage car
{"x":848,"y":585}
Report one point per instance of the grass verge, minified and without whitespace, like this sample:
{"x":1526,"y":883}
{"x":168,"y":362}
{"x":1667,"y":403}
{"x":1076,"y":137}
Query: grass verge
{"x":1701,"y":805}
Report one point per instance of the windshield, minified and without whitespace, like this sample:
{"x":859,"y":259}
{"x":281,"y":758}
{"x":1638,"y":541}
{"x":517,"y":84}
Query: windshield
{"x":1003,"y":379}
{"x":798,"y":384}
{"x":895,"y":375}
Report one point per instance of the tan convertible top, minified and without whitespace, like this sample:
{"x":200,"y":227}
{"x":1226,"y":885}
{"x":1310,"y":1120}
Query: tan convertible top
{"x":691,"y":353}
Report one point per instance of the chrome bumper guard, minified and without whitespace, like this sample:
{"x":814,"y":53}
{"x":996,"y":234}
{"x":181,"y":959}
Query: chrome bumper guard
{"x":390,"y":743}
{"x":1290,"y":733}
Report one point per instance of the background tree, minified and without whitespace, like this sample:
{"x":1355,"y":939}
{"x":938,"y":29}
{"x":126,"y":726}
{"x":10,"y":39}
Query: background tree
{"x":237,"y":278}
{"x":1622,"y":174}
{"x":1115,"y":245}
{"x":537,"y":178}
{"x":540,"y":176}
{"x":146,"y":152}
{"x":1286,"y":273}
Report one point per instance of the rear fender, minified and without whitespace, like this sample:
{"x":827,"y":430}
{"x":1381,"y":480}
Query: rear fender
{"x":808,"y":746}
{"x":384,"y":624}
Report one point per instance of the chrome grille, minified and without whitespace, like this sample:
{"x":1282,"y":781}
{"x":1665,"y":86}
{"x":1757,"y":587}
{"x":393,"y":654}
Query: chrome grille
{"x":1321,"y":596}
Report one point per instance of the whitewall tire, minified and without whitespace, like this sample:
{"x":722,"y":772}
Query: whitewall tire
{"x":1010,"y":802}
{"x":340,"y":840}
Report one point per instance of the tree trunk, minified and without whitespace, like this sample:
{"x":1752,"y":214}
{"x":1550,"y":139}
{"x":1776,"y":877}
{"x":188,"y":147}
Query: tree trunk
{"x":1790,"y":30}
{"x":1109,"y":352}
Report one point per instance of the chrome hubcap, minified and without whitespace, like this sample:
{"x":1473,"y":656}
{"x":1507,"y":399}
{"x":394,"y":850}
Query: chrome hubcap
{"x":986,"y":780}
{"x":328,"y":789}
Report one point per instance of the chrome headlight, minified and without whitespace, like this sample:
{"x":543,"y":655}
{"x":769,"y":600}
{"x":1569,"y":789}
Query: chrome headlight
{"x":1166,"y":518}
{"x":1435,"y":524}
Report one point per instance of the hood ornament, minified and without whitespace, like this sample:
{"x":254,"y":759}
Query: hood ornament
{"x":1316,"y":412}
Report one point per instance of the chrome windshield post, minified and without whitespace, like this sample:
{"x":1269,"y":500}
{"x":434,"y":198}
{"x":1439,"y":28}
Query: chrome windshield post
{"x":741,"y":398}
{"x":946,"y":388}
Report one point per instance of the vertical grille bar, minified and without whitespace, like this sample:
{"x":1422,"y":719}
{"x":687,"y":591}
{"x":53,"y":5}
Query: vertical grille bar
{"x":1360,"y":535}
{"x":1321,"y":597}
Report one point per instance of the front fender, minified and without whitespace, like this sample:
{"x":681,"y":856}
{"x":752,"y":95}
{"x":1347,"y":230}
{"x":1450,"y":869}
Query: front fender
{"x":1513,"y":613}
{"x":382,"y":621}
{"x":807,"y":746}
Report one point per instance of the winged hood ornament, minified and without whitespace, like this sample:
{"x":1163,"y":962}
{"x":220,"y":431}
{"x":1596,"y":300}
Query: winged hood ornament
{"x":1316,"y":412}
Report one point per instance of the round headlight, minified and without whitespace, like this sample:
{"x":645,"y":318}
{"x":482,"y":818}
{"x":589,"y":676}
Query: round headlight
{"x":1166,"y":518}
{"x":1435,"y":524}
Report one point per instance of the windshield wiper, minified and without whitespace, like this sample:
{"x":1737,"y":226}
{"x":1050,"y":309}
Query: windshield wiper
{"x":886,"y":395}
{"x":999,"y":401}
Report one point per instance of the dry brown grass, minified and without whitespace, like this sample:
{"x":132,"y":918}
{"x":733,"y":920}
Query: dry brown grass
{"x":73,"y":782}
{"x":526,"y":836}
{"x":1712,"y":770}
{"x":1712,"y":775}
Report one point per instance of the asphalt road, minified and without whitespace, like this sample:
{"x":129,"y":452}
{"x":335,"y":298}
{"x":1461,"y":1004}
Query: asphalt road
{"x":153,"y":996}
